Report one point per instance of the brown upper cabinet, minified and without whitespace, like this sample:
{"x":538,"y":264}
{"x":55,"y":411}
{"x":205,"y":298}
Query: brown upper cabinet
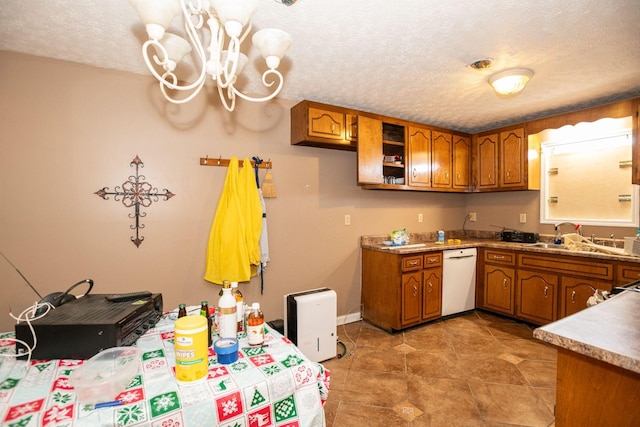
{"x":461,"y":162}
{"x":501,"y":161}
{"x":320,"y":125}
{"x":442,"y":159}
{"x":419,"y":157}
{"x":485,"y":156}
{"x":399,"y":155}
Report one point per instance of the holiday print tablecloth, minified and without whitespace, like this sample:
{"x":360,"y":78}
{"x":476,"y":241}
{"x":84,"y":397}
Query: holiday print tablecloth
{"x":267,"y":386}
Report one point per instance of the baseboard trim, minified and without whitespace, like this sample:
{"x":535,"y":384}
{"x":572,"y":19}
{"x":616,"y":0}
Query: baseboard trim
{"x":349,"y":318}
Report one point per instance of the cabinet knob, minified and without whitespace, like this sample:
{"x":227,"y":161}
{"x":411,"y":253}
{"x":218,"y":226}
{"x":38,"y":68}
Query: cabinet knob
{"x":508,"y":174}
{"x":430,"y":287}
{"x":414,"y":173}
{"x":498,"y":257}
{"x":573,"y":297}
{"x":546,"y":291}
{"x":504,"y":283}
{"x":415,"y":290}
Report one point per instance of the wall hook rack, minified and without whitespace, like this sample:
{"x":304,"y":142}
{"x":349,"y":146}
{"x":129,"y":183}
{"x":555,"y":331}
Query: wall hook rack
{"x":206,"y":161}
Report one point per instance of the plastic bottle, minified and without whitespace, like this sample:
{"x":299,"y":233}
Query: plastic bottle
{"x":255,"y":326}
{"x":204,"y":311}
{"x":558,"y":238}
{"x":227,"y":322}
{"x":239,"y":306}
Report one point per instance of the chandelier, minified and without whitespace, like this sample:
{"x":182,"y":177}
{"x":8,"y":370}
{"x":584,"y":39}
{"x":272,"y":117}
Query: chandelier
{"x":228,"y":22}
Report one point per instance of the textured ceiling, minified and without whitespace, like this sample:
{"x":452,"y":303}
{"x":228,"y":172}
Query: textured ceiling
{"x":407,"y":59}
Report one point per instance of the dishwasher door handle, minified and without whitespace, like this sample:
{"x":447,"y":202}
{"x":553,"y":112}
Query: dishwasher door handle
{"x":461,"y":257}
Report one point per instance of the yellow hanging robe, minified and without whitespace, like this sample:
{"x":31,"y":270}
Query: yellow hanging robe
{"x":227,"y":256}
{"x":252,"y":210}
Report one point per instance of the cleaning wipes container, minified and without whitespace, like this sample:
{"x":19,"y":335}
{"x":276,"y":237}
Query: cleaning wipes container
{"x":192,"y":354}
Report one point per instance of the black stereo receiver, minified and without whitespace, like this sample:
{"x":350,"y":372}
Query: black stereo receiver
{"x":519,"y":237}
{"x":84,"y":327}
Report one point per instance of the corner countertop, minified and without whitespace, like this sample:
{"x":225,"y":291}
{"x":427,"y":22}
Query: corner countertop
{"x":609,"y":331}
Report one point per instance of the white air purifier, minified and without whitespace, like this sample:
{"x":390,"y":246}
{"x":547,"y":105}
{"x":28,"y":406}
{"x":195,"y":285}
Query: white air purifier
{"x":310,"y":322}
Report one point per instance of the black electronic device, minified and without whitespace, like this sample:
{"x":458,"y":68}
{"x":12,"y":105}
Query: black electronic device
{"x":519,"y":236}
{"x":54,"y":299}
{"x":85,"y":326}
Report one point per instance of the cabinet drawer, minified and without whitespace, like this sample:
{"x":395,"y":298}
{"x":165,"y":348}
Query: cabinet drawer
{"x":626,"y":273}
{"x":433,"y":259}
{"x":412,"y":263}
{"x":567,"y":265}
{"x":499,"y":257}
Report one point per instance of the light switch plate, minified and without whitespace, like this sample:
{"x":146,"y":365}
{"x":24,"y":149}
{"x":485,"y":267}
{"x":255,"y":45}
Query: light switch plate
{"x":523,"y":218}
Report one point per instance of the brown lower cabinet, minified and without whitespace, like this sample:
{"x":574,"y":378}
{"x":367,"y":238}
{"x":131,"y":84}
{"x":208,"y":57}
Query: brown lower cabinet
{"x":575,"y":292}
{"x":591,"y":392}
{"x":404,"y":290}
{"x":540,"y":288}
{"x":536,"y":299}
{"x":399,"y":291}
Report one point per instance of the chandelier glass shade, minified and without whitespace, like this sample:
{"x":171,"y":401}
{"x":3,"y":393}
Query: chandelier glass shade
{"x":510,"y":82}
{"x":228,"y":23}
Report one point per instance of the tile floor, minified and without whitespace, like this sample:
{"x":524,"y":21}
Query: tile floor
{"x":473,"y":370}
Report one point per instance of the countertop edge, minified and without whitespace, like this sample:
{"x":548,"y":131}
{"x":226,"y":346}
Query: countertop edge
{"x":583,"y":332}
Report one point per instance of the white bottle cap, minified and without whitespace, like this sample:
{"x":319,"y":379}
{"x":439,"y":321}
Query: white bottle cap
{"x":255,"y":306}
{"x":234,"y":284}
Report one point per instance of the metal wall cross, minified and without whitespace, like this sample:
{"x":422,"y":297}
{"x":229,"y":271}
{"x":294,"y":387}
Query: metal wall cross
{"x":134,"y":193}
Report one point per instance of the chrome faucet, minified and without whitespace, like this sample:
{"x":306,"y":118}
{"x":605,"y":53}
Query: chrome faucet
{"x":613,"y":240}
{"x":576,"y":227}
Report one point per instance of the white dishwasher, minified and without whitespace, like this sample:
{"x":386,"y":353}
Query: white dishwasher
{"x":458,"y":280}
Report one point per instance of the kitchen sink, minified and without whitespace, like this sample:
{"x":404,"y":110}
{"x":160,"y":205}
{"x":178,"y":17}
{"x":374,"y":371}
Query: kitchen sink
{"x":547,"y":245}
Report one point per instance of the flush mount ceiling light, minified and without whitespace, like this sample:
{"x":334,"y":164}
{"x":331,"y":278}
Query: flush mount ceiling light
{"x":225,"y":19}
{"x":510,"y":82}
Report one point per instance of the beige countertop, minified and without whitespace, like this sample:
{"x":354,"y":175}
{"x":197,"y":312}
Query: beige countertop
{"x":609,"y":331}
{"x":427,"y":242}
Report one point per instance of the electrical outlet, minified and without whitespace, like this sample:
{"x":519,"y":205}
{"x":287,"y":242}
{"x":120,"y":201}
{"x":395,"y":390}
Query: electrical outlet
{"x":420,"y":217}
{"x":523,"y":218}
{"x":347,"y":220}
{"x":473,"y":217}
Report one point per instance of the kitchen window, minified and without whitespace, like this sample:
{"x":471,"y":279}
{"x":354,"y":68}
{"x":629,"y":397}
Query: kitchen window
{"x":585,"y":174}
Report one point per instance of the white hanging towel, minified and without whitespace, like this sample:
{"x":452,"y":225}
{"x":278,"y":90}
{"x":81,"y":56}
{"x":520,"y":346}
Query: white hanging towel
{"x":264,"y":236}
